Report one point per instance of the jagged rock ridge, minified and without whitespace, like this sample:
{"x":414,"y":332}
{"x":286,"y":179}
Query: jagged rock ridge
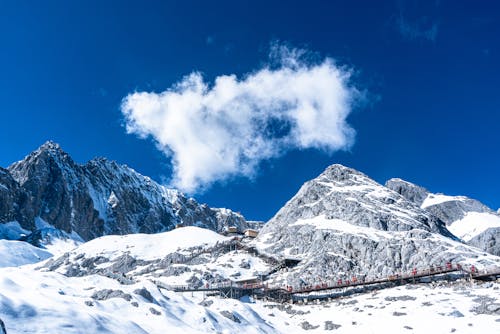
{"x":345,"y":223}
{"x":447,"y":208}
{"x":468,"y":218}
{"x":98,"y":198}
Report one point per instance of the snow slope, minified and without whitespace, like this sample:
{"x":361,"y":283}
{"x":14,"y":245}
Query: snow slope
{"x":434,"y":199}
{"x":45,"y":302}
{"x":473,"y":224}
{"x":17,"y":253}
{"x":37,"y":299}
{"x":12,"y":231}
{"x":149,"y":246}
{"x":185,"y":256}
{"x":37,"y":302}
{"x":433,"y":308}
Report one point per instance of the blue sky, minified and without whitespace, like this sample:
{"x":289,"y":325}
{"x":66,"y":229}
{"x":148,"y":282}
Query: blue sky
{"x":429,"y":73}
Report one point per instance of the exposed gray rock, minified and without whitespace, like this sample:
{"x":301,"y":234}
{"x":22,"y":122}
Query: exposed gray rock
{"x":486,"y":305}
{"x":230,"y":316}
{"x":399,"y":298}
{"x":489,"y":241}
{"x":307,"y":326}
{"x":329,"y":326}
{"x":344,"y":193}
{"x":98,"y":198}
{"x":286,"y":308}
{"x":408,"y":190}
{"x":15,"y":204}
{"x":195,"y":282}
{"x":2,"y":327}
{"x":110,"y":293}
{"x":456,"y":314}
{"x":154,"y":311}
{"x":374,"y":231}
{"x":144,"y":293}
{"x":245,"y":264}
{"x":206,"y":303}
{"x":493,"y":308}
{"x":450,"y":211}
{"x":398,"y":314}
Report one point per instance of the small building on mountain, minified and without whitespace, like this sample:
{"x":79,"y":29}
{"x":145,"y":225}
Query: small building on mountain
{"x":251,"y":233}
{"x":232,"y":229}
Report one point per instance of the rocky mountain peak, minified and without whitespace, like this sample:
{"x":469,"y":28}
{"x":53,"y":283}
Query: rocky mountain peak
{"x":52,"y":150}
{"x":50,"y":146}
{"x":343,"y":220}
{"x":346,"y":194}
{"x":98,"y":198}
{"x":341,"y":173}
{"x":408,"y":190}
{"x":47,"y":159}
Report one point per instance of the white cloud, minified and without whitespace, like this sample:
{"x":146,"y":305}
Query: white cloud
{"x":213,"y":132}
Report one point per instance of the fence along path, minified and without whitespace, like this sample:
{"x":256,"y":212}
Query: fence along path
{"x":232,"y":289}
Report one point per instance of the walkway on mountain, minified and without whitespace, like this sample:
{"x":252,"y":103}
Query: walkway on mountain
{"x":275,"y":262}
{"x":325,"y":290}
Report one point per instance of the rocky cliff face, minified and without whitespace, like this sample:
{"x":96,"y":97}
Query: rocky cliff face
{"x":489,"y":241}
{"x":410,"y":191}
{"x":468,"y":218}
{"x":344,"y":193}
{"x":343,"y":223}
{"x":447,"y":208}
{"x":14,"y":201}
{"x":98,"y":198}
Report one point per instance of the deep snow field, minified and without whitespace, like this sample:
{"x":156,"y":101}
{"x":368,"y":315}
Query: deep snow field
{"x":34,"y":299}
{"x":46,"y":302}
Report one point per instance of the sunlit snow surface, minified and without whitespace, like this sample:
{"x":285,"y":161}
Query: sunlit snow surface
{"x":150,"y":246}
{"x":473,"y":224}
{"x":17,"y":253}
{"x":38,"y":302}
{"x":433,"y":199}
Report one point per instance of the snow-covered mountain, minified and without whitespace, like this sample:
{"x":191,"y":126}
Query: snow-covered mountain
{"x":112,"y":285}
{"x":98,"y":198}
{"x":339,"y":225}
{"x":467,"y":218}
{"x":343,"y":223}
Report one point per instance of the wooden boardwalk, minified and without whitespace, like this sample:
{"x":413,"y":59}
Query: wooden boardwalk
{"x":325,"y":289}
{"x":230,"y":289}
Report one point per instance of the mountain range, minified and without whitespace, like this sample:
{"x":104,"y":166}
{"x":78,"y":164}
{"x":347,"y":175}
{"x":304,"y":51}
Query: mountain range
{"x":94,"y":248}
{"x":48,"y":191}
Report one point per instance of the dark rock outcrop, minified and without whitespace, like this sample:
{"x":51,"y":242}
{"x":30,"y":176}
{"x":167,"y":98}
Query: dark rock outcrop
{"x":2,"y":327}
{"x":410,"y":191}
{"x":15,"y":204}
{"x":98,"y":198}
